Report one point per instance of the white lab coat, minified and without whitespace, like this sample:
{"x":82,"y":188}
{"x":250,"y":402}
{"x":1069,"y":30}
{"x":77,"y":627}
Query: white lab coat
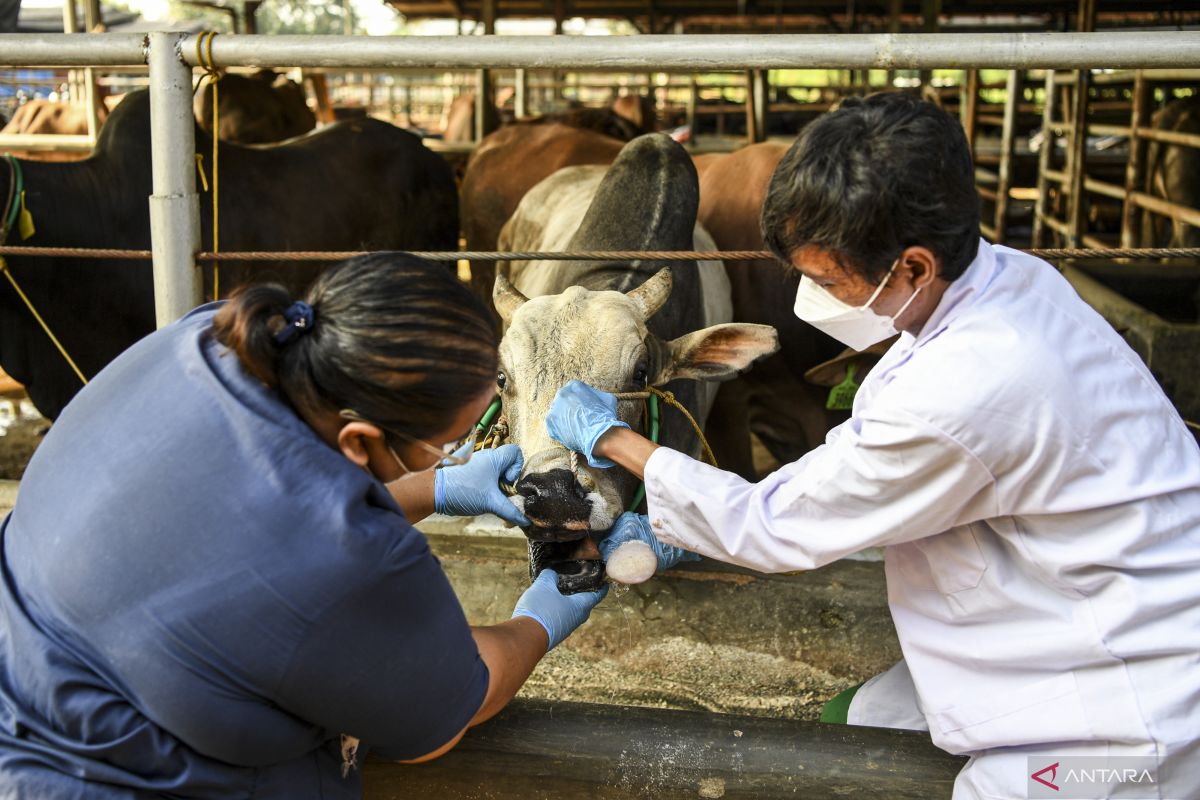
{"x":1039,"y":500}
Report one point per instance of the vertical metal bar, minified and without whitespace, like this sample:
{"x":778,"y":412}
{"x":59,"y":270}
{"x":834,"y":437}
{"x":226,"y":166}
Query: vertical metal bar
{"x":1008,"y":136}
{"x":174,"y":206}
{"x":1045,"y":162}
{"x":756,"y":105}
{"x":1077,"y":161}
{"x":482,"y":92}
{"x":1136,"y":168}
{"x":521,"y":96}
{"x":930,"y":11}
{"x":408,"y":103}
{"x":691,"y":110}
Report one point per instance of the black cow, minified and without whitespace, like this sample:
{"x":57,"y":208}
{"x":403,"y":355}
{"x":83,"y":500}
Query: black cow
{"x":355,"y":185}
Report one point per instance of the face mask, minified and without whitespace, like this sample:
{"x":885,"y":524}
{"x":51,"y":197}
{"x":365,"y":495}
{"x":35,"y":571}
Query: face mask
{"x":857,"y":327}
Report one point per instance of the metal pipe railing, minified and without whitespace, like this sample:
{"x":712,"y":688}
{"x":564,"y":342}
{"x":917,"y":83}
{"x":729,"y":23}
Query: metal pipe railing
{"x":701,"y":53}
{"x":1116,"y":50}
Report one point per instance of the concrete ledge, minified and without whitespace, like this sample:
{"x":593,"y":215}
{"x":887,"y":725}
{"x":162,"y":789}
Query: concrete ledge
{"x":538,"y":750}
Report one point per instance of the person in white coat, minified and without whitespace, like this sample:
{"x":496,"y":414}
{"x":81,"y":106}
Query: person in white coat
{"x":1037,"y":494}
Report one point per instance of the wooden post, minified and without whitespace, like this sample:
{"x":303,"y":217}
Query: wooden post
{"x":968,"y":110}
{"x":1045,"y":162}
{"x":1077,"y":147}
{"x":1131,"y":215}
{"x":1077,"y":161}
{"x":1008,"y":137}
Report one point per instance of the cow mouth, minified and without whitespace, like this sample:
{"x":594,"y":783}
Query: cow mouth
{"x":575,"y":573}
{"x":537,"y":533}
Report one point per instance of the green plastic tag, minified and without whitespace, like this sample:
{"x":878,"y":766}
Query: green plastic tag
{"x":25,"y":220}
{"x":841,"y":397}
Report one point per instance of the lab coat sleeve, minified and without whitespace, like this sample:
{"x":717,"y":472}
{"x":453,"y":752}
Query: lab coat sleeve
{"x":885,"y":478}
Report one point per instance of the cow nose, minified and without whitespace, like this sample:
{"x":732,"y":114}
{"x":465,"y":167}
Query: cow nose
{"x":555,"y":499}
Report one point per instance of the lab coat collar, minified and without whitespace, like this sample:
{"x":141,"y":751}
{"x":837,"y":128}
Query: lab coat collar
{"x":962,"y":292}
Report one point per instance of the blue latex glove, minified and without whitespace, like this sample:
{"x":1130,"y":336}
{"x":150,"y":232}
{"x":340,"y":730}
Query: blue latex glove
{"x":636,"y":527}
{"x":474,"y":488}
{"x":579,"y":416}
{"x":558,"y":613}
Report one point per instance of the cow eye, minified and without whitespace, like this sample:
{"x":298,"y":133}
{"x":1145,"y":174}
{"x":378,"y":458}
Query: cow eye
{"x":641,"y":377}
{"x":501,"y":380}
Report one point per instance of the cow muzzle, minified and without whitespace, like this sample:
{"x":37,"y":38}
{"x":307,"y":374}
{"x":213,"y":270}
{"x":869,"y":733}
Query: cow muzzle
{"x":557,"y":504}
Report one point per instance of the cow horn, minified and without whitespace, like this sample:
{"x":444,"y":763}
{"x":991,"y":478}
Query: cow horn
{"x":651,"y":295}
{"x":506,"y":298}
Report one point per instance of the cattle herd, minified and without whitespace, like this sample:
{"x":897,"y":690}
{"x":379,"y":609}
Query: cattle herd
{"x":590,"y":179}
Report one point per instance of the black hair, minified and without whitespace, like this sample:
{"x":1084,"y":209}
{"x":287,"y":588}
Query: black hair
{"x":877,"y":175}
{"x":398,"y":339}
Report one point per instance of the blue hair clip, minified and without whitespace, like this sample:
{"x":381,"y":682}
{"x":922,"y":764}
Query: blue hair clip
{"x":299,"y":319}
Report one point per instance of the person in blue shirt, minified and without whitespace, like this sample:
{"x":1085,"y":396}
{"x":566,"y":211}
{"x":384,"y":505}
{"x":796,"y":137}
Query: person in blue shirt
{"x":210,"y":586}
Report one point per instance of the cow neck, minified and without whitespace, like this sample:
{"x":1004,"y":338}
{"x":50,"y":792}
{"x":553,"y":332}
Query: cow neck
{"x":489,"y":424}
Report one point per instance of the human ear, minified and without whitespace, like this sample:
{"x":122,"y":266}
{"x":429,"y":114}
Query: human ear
{"x":354,"y":440}
{"x":919,"y":265}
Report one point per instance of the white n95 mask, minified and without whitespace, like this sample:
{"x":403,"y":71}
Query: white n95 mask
{"x":854,"y":326}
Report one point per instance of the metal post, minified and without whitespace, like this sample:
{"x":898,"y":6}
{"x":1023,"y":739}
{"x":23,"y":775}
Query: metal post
{"x":482,"y":93}
{"x":1135,"y":169}
{"x":930,"y":10}
{"x":691,"y":110}
{"x":1008,"y":137}
{"x":761,"y":86}
{"x":894,"y":9}
{"x":1045,"y":161}
{"x":174,"y":206}
{"x":521,"y":96}
{"x":91,"y":19}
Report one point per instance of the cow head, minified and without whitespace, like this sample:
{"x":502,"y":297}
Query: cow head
{"x":601,"y":338}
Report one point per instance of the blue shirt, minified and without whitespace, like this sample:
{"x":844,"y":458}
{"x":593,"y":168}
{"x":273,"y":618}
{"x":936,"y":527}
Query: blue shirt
{"x":198,"y":597}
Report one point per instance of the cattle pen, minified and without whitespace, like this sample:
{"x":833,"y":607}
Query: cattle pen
{"x":539,"y":749}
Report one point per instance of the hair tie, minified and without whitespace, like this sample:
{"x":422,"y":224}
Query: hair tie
{"x":299,"y":319}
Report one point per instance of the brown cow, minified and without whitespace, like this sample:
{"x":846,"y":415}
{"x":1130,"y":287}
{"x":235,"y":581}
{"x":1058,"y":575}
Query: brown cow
{"x":52,"y":117}
{"x":774,"y":401}
{"x":262,"y":108}
{"x":505,"y":166}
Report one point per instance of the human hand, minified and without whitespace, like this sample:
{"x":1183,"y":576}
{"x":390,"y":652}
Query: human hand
{"x":560,"y":614}
{"x":474,"y":488}
{"x":579,"y":416}
{"x":632,"y":553}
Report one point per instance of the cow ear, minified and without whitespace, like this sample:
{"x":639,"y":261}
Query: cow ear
{"x":718,"y":352}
